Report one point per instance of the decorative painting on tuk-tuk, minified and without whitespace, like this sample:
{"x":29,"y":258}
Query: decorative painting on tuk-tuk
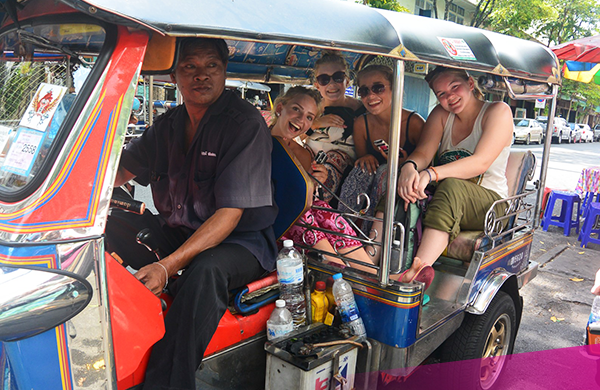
{"x":42,"y":107}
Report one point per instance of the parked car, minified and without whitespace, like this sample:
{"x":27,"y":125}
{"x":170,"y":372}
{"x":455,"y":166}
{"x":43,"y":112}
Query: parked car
{"x":587,"y":135}
{"x":528,"y":130}
{"x":576,"y":133}
{"x":561,"y":131}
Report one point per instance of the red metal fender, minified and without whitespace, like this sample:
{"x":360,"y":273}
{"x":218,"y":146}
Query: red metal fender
{"x":137,"y":323}
{"x":234,"y":328}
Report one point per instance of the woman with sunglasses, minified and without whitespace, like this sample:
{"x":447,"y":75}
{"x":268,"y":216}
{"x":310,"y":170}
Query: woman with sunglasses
{"x":294,"y":113}
{"x":472,"y":139}
{"x":332,"y":132}
{"x":369,"y":173}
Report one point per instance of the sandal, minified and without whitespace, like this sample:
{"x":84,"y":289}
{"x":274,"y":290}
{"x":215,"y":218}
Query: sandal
{"x":424,"y":275}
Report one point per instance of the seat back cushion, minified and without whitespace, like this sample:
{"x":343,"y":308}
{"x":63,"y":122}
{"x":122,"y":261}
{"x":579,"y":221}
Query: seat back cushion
{"x":520,"y":163}
{"x":293,"y":188}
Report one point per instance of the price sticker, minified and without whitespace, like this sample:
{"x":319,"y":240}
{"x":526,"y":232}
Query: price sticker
{"x":23,"y":151}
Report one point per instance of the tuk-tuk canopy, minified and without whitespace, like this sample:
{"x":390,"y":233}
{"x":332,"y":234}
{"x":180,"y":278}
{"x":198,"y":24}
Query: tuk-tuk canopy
{"x":276,"y":41}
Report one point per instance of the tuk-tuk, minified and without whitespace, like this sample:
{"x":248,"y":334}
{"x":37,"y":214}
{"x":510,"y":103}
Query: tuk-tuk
{"x":71,"y":317}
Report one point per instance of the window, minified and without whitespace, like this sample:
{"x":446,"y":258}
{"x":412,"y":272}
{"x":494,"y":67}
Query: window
{"x":456,"y":14}
{"x":422,"y":5}
{"x":42,"y":70}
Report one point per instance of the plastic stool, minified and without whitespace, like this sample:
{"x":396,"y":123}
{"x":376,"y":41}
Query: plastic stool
{"x":589,"y":198}
{"x":565,"y":219}
{"x":592,"y":212}
{"x":547,"y":192}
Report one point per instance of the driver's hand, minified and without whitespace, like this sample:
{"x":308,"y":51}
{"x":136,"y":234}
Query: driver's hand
{"x":154,"y":278}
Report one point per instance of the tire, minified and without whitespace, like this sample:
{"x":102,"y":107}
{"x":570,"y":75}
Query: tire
{"x":480,"y":347}
{"x":528,"y":139}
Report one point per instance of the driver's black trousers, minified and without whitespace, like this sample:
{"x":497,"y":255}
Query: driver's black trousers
{"x":201,"y":294}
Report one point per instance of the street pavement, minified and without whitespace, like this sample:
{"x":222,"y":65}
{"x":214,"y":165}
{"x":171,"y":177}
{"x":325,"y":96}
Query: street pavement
{"x":557,"y":302}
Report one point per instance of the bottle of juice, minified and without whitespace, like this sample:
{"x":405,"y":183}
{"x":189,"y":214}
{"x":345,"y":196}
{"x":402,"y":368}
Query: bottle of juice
{"x":319,"y":303}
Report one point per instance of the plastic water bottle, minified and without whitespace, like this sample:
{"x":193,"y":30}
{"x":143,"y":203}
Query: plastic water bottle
{"x":280,"y":321}
{"x":595,"y":314}
{"x":290,"y":273}
{"x":344,"y":299}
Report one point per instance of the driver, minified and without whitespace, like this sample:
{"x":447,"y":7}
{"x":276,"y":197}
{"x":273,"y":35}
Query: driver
{"x":208,"y":164}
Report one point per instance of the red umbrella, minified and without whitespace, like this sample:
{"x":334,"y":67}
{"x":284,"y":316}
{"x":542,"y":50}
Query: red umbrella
{"x":582,"y":50}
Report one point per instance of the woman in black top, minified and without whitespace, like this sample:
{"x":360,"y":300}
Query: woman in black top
{"x":370,"y":169}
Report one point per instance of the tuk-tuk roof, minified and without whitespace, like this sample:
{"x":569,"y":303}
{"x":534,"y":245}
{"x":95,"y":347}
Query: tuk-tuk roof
{"x":283,"y":34}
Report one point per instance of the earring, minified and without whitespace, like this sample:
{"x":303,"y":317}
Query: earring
{"x":277,"y":114}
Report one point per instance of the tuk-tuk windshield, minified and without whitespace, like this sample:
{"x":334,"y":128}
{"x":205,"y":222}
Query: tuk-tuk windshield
{"x":42,"y":69}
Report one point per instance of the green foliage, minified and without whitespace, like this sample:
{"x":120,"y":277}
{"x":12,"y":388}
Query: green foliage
{"x":515,"y":17}
{"x":572,"y":19}
{"x":14,"y":91}
{"x":392,"y":5}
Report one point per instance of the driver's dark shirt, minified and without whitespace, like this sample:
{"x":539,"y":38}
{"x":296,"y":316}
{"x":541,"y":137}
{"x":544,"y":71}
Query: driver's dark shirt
{"x":228,"y":165}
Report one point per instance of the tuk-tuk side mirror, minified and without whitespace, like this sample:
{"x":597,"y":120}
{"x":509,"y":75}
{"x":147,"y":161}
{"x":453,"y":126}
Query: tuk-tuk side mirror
{"x":160,"y":55}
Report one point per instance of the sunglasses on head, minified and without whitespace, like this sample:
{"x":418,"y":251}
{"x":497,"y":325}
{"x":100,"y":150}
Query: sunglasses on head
{"x":377,"y":88}
{"x":337,"y":77}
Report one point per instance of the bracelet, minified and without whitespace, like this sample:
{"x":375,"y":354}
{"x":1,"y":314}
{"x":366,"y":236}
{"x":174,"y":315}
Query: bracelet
{"x":166,"y":274}
{"x":410,"y":162}
{"x":436,"y":174}
{"x":427,"y":170}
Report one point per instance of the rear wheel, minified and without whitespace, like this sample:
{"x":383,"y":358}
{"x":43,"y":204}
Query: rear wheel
{"x":481,"y":345}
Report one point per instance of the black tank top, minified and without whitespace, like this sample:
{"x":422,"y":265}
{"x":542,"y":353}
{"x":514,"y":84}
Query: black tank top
{"x":408,"y":146}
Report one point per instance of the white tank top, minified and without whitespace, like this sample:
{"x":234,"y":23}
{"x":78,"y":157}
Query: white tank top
{"x":495,"y":177}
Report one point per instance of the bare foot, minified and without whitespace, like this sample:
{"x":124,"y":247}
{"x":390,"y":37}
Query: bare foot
{"x":407,"y":276}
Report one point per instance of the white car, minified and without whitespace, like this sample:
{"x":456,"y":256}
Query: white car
{"x":561,"y":131}
{"x":528,"y":130}
{"x":587,"y":134}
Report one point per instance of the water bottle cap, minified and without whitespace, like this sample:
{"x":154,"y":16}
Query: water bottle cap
{"x":320,"y":286}
{"x":280,"y":303}
{"x":337,"y":276}
{"x":288,"y":243}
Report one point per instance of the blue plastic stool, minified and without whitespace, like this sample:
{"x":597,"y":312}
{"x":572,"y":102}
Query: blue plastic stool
{"x":589,"y":198}
{"x":592,"y":212}
{"x":565,"y":219}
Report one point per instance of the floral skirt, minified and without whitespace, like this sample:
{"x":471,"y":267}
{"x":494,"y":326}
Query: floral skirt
{"x":326,"y":220}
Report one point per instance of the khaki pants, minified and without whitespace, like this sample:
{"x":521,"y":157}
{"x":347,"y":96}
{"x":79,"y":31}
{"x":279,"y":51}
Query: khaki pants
{"x":459,"y":205}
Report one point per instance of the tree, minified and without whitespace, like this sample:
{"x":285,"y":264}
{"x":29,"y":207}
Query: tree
{"x":392,"y":5}
{"x":512,"y":17}
{"x":572,"y":19}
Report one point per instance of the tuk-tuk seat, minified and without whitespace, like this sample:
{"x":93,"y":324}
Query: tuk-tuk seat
{"x":467,"y":242}
{"x":293,"y":191}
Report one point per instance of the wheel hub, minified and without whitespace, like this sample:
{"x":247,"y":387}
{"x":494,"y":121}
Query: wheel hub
{"x":494,"y":353}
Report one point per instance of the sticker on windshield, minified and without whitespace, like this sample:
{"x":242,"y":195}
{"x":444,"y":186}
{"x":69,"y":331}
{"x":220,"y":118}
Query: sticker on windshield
{"x":23,"y":151}
{"x":458,"y":49}
{"x":42,"y":107}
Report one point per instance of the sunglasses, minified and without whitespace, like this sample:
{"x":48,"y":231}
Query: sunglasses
{"x":377,"y":88}
{"x":337,"y":77}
